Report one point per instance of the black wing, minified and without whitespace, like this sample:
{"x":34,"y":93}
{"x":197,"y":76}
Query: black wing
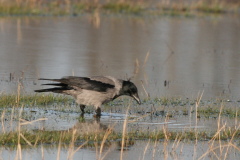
{"x":82,"y":83}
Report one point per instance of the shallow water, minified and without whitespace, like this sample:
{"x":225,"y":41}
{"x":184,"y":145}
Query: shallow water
{"x":137,"y":150}
{"x":191,"y":54}
{"x":55,"y":119}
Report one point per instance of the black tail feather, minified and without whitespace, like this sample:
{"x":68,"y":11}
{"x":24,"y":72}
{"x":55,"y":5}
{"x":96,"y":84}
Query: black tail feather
{"x":62,"y":87}
{"x":56,"y":84}
{"x":56,"y":80}
{"x":54,"y":90}
{"x":44,"y":79}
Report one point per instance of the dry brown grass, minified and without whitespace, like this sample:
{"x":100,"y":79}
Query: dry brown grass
{"x":68,"y":7}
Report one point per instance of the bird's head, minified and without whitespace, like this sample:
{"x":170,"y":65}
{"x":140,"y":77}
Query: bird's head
{"x":129,"y":89}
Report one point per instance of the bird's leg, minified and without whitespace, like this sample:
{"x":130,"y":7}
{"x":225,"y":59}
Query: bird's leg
{"x":81,"y":118}
{"x":97,"y":118}
{"x":98,"y":111}
{"x":82,"y":108}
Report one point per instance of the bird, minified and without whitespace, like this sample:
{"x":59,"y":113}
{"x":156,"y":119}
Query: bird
{"x":94,"y":90}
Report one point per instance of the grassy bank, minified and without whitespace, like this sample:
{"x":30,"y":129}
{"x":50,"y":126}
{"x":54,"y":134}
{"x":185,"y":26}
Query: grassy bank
{"x":74,"y":138}
{"x":163,"y":106}
{"x":53,"y":137}
{"x":32,"y":100}
{"x":151,"y":108}
{"x":67,"y":7}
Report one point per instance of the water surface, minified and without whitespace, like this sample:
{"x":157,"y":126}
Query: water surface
{"x":137,"y":150}
{"x":191,"y":54}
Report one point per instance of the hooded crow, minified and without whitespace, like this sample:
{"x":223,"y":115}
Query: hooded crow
{"x":95,"y":90}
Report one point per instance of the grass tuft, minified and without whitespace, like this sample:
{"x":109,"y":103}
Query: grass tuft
{"x":56,"y":7}
{"x":33,"y":99}
{"x":53,"y":137}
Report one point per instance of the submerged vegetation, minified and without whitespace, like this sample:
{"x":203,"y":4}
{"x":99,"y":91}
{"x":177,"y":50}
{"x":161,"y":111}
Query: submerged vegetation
{"x":159,"y":106}
{"x":33,"y":120}
{"x":163,"y":7}
{"x":38,"y":107}
{"x":31,"y":100}
{"x":53,"y":137}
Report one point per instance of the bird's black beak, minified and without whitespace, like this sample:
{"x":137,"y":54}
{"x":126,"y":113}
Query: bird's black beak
{"x":137,"y":98}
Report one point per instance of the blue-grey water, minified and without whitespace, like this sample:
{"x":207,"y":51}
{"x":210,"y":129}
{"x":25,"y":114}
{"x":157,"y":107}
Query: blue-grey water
{"x":190,"y":54}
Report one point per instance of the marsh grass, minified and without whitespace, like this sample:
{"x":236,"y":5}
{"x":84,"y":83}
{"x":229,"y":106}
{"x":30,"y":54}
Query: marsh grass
{"x":175,"y":105}
{"x":53,"y":137}
{"x":67,"y":7}
{"x":123,"y":7}
{"x":33,"y":99}
{"x":20,"y":138}
{"x":49,"y":137}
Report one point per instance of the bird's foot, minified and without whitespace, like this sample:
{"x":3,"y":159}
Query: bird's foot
{"x":81,"y":118}
{"x":82,"y":107}
{"x":98,"y":112}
